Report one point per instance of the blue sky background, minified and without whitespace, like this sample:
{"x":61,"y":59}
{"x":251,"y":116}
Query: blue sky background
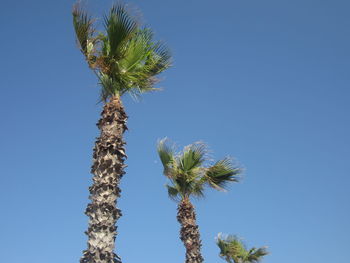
{"x":265,"y":81}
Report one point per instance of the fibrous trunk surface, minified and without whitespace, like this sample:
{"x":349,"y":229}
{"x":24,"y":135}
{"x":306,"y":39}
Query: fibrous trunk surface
{"x":189,"y":233}
{"x":108,"y":168}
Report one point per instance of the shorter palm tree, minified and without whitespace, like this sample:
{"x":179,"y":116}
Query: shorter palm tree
{"x":233,"y":250}
{"x":189,"y":174}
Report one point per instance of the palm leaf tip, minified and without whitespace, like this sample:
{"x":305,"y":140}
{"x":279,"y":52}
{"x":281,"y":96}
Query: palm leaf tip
{"x":165,"y":151}
{"x":223,"y":172}
{"x":173,"y":193}
{"x":160,"y":60}
{"x":255,"y":254}
{"x":193,"y":155}
{"x":83,"y":26}
{"x":120,"y":27}
{"x":198,"y":189}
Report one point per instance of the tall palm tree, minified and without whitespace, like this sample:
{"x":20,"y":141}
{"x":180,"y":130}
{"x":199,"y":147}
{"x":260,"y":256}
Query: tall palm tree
{"x":233,"y":250}
{"x":189,"y":174}
{"x":126,"y":59}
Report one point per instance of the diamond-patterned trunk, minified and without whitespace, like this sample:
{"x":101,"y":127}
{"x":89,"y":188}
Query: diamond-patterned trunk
{"x":108,"y":168}
{"x":189,"y":233}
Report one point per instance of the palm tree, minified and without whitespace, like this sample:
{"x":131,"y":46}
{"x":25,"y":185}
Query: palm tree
{"x":126,"y":59}
{"x":189,"y":174}
{"x":233,"y":250}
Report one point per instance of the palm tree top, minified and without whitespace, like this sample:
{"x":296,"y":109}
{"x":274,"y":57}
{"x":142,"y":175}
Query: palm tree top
{"x":190,"y":170}
{"x":124,"y":56}
{"x":233,"y":250}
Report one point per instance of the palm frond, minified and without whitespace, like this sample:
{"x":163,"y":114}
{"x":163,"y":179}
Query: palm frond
{"x":120,"y":28}
{"x":233,"y":249}
{"x":84,"y":30}
{"x":138,"y":49}
{"x":159,"y":60}
{"x":173,"y":192}
{"x":256,"y":254}
{"x":110,"y":87}
{"x":165,"y":152}
{"x":197,"y":189}
{"x":143,"y":60}
{"x":221,"y":173}
{"x":193,"y":155}
{"x":223,"y":244}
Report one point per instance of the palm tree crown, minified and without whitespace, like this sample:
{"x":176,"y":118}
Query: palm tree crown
{"x":233,"y":250}
{"x":125,"y":57}
{"x":189,"y":172}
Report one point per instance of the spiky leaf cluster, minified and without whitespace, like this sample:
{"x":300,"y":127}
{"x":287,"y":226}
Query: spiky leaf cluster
{"x":189,"y":171}
{"x":233,"y":250}
{"x":125,"y":57}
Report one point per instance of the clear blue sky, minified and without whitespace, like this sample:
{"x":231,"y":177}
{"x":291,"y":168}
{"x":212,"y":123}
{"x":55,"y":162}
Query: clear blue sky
{"x":265,"y":81}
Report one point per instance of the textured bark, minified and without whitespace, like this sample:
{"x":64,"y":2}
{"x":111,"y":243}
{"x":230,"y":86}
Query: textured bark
{"x":189,"y":233}
{"x":108,"y":168}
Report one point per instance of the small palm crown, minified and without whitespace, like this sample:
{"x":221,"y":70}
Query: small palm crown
{"x":233,"y":250}
{"x":189,"y":172}
{"x":125,"y":57}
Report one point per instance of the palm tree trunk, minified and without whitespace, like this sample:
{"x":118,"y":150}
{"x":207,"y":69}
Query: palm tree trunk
{"x":108,"y":168}
{"x":189,"y":233}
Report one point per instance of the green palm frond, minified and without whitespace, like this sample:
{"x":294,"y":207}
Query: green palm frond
{"x":224,"y":245}
{"x":232,"y":249}
{"x":173,"y":192}
{"x":193,"y":156}
{"x":84,"y":30}
{"x":198,"y":189}
{"x":221,"y":244}
{"x":143,"y":60}
{"x":138,"y":50}
{"x":221,"y":173}
{"x":256,"y":254}
{"x":159,"y":60}
{"x":166,"y":152}
{"x":120,"y":28}
{"x":110,"y":87}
